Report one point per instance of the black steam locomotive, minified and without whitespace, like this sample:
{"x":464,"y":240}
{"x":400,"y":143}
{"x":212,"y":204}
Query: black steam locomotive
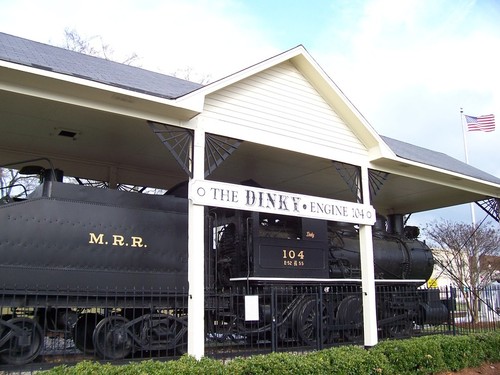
{"x":74,"y":258}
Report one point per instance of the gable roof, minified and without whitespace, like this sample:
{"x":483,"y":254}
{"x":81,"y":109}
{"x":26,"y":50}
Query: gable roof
{"x":59,"y":60}
{"x":436,"y":159}
{"x":321,"y":82}
{"x":55,"y":82}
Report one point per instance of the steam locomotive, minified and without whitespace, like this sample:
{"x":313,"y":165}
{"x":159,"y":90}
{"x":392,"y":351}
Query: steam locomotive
{"x":73,"y":259}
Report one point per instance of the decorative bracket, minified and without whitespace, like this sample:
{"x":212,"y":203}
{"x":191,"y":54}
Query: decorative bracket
{"x":351,"y":174}
{"x":491,"y":207}
{"x":218,"y":149}
{"x":179,"y":141}
{"x":352,"y":177}
{"x":376,"y":180}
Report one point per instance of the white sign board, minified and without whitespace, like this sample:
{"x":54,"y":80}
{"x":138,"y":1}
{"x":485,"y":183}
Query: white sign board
{"x":251,"y":308}
{"x":249,"y":198}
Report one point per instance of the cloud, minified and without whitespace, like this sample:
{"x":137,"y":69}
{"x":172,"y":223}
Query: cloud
{"x":213,"y":38}
{"x":410,"y":66}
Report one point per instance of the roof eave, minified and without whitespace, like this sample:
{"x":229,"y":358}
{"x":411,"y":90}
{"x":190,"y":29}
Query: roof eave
{"x":80,"y":91}
{"x":339,"y":101}
{"x":409,"y":168}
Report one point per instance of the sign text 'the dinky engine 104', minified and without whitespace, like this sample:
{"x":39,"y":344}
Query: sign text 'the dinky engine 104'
{"x":248,"y":198}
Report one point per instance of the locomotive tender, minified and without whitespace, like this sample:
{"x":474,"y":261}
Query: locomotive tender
{"x":91,"y":245}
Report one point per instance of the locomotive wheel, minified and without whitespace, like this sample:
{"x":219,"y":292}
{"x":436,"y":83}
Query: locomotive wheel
{"x":306,"y":321}
{"x":350,"y":318}
{"x":175,"y":330}
{"x":399,"y":328}
{"x":162,"y":331}
{"x":83,"y":331}
{"x":111,"y":338}
{"x":24,"y":341}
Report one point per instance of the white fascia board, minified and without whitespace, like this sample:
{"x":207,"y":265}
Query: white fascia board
{"x":191,"y":107}
{"x":245,"y":73}
{"x":341,"y":104}
{"x":320,"y":80}
{"x":440,"y":176}
{"x":217,"y":127}
{"x":193,"y":101}
{"x":381,"y":151}
{"x":197,"y":97}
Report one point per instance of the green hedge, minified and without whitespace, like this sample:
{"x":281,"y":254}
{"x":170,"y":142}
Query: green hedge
{"x":422,"y":355}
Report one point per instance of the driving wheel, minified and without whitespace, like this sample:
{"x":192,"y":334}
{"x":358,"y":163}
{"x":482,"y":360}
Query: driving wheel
{"x":311,"y":328}
{"x":112,"y":339}
{"x":350,"y":318}
{"x":22,"y":340}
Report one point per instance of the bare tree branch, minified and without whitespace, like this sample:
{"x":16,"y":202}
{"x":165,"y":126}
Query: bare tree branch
{"x":465,"y":254}
{"x":94,"y":46}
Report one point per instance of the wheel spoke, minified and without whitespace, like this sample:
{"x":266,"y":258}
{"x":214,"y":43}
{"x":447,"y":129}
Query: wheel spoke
{"x":306,"y":321}
{"x":350,"y":318}
{"x":112,"y":339}
{"x":25,"y":342}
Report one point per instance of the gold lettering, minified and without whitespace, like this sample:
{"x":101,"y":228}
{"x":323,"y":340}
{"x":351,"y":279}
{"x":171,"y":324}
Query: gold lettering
{"x":291,"y":254}
{"x":118,"y":240}
{"x":96,"y":239}
{"x":136,"y":242}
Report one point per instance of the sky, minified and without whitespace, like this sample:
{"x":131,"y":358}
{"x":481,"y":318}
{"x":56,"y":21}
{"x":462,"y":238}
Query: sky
{"x":408,"y":66}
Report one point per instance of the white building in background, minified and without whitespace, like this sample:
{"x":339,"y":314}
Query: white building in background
{"x":489,"y":293}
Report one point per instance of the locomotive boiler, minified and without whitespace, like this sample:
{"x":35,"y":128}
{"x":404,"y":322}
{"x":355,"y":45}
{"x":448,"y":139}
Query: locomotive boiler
{"x":75,"y":258}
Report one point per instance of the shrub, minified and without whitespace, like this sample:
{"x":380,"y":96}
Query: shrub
{"x":489,"y":342}
{"x":354,"y":360}
{"x":423,"y":355}
{"x":459,"y":352}
{"x":277,"y":363}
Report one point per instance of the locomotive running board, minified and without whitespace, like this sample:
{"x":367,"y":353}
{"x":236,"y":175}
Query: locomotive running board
{"x":315,"y":280}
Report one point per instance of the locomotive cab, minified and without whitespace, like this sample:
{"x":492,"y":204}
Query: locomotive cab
{"x":262,"y":246}
{"x":289,"y":247}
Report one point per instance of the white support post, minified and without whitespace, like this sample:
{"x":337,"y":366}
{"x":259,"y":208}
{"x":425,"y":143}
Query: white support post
{"x":196,"y":257}
{"x":367,"y":271}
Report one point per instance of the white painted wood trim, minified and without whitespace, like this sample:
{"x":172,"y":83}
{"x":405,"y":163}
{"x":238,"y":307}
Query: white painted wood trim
{"x":196,"y":257}
{"x":367,"y":271}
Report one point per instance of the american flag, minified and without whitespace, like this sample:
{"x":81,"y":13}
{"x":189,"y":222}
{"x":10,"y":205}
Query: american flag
{"x":484,"y":123}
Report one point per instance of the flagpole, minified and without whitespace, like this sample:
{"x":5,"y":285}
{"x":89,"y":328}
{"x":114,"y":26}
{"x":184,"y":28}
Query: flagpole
{"x":473,"y":215}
